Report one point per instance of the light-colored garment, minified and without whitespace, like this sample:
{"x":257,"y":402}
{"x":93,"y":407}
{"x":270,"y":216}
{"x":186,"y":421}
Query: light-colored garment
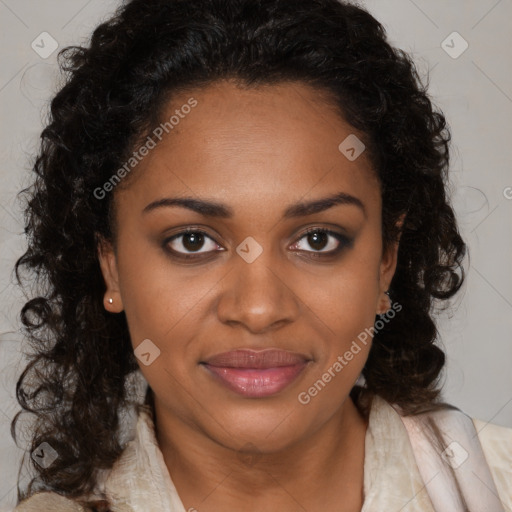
{"x":140,"y":481}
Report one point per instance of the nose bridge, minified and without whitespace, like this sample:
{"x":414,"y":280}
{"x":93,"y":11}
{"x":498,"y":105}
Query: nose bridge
{"x":255,"y":293}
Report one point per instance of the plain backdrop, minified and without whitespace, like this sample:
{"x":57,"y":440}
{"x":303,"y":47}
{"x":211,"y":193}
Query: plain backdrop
{"x":472,"y":87}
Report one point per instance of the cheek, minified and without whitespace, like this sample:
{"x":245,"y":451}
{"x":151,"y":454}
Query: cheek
{"x":347,"y":299}
{"x":349,"y":315}
{"x":160,"y":300}
{"x":163,"y":305}
{"x":345,"y":303}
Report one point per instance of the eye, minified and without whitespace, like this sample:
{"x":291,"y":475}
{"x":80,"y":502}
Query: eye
{"x":189,"y":242}
{"x":323,"y":241}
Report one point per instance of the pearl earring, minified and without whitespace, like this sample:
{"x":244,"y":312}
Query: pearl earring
{"x":110,"y":300}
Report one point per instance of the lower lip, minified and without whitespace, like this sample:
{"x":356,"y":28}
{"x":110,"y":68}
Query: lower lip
{"x":256,"y":383}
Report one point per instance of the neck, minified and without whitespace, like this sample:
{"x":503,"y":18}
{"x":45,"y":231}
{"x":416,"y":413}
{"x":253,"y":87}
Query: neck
{"x":322,"y":471}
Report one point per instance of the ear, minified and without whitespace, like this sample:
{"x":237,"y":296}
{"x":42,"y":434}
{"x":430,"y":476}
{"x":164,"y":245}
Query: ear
{"x":387,"y":270}
{"x":107,"y":258}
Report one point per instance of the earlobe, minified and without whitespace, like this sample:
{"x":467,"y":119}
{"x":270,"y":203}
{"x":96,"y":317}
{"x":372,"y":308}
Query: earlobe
{"x":384,"y":303}
{"x":112,"y":300}
{"x":387,"y":270}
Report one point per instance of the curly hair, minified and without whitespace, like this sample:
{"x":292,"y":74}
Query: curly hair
{"x":114,"y":93}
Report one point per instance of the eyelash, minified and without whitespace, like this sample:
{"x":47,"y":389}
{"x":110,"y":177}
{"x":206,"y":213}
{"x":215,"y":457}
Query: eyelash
{"x":344,"y":242}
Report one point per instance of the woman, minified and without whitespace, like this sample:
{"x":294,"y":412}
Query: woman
{"x":243,"y":204}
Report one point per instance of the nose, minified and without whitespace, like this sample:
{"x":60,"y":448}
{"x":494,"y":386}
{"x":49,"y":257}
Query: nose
{"x":257,"y":295}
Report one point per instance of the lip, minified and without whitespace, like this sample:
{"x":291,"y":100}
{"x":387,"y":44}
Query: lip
{"x":256,"y":373}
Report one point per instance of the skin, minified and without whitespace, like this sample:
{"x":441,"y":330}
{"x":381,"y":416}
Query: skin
{"x":257,"y":151}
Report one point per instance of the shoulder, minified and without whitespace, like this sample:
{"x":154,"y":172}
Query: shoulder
{"x":496,"y":441}
{"x":496,"y":444}
{"x":48,"y":501}
{"x":479,"y":453}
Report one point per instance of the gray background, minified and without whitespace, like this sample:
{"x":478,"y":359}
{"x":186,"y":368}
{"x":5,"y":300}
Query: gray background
{"x":475,"y":92}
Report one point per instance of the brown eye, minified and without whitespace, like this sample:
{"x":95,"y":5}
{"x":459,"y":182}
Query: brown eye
{"x":193,"y":241}
{"x":190,"y":242}
{"x":318,"y":240}
{"x":322,"y":241}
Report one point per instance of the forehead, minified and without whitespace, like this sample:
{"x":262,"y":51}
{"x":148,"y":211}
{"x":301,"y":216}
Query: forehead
{"x":235,"y":142}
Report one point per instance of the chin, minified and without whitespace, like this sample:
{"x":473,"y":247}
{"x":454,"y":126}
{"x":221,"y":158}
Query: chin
{"x":268,"y":427}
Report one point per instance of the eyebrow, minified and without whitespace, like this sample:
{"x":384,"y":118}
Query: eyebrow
{"x":214,"y":209}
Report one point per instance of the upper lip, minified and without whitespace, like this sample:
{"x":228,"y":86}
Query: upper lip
{"x":247,"y":358}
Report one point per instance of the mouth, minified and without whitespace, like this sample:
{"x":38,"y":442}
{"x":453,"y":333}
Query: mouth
{"x":254,"y":373}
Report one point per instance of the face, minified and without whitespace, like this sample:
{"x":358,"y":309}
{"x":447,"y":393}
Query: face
{"x":280,"y":271}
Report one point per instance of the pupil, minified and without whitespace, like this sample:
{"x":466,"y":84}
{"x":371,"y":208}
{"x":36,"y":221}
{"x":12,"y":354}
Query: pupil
{"x":193,"y":241}
{"x":316,"y":238}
